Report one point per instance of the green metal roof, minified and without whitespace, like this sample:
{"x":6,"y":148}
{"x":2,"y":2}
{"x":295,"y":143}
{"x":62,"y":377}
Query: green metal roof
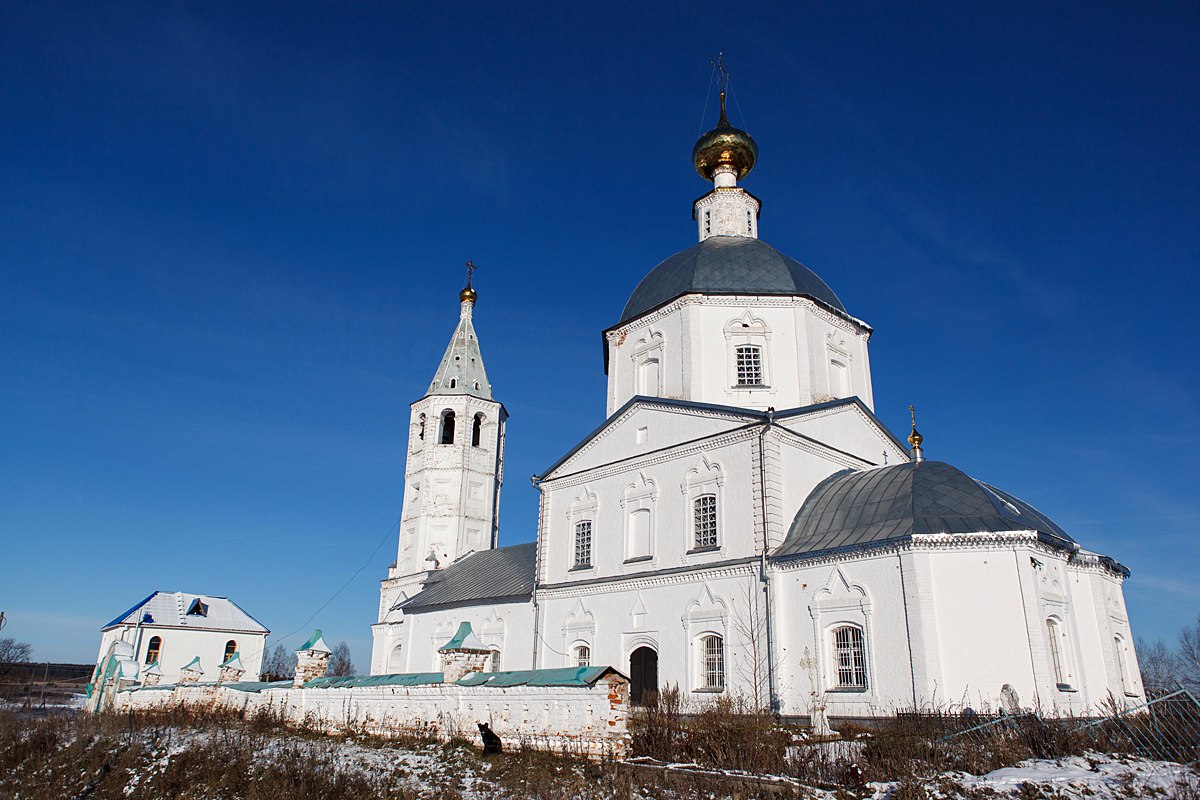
{"x":561,"y":676}
{"x":254,"y":687}
{"x":397,"y":679}
{"x":464,"y":639}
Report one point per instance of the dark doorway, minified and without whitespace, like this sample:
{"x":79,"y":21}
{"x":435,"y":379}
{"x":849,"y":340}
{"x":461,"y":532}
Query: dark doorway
{"x":643,"y":676}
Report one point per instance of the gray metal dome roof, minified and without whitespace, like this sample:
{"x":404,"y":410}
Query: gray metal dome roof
{"x":856,"y":508}
{"x":727,"y":265}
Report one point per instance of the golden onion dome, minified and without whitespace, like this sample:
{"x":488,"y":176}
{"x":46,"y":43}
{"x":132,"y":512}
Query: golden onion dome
{"x":724,"y":145}
{"x":467,"y":295}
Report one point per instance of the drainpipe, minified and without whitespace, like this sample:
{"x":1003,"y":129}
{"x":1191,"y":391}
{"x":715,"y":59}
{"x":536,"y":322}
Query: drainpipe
{"x":764,"y":577}
{"x":537,"y":484}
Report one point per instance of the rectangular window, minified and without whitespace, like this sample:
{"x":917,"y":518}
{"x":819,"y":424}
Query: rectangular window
{"x":583,"y":543}
{"x":705,"y":521}
{"x":714,"y":662}
{"x":851,"y":663}
{"x":749,"y":365}
{"x":1056,"y":658}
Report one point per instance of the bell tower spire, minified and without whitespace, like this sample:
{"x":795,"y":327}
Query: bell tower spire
{"x":453,"y":472}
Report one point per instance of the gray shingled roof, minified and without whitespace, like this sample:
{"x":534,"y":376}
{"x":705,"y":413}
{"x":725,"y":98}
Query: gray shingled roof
{"x":461,"y":369}
{"x":856,"y":508}
{"x":505,"y":573}
{"x":727,"y":265}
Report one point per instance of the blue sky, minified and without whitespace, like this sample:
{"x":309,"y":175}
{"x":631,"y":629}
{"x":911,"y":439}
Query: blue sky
{"x":231,"y":239}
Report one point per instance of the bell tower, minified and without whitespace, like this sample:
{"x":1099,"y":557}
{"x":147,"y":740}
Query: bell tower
{"x":454,"y":467}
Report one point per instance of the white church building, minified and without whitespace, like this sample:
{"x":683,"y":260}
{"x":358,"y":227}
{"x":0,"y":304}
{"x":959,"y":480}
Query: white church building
{"x":742,"y":523}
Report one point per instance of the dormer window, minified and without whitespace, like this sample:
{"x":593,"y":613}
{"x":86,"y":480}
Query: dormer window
{"x":749,"y":365}
{"x":198,"y":608}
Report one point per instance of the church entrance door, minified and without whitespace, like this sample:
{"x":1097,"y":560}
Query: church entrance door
{"x":643,"y":676}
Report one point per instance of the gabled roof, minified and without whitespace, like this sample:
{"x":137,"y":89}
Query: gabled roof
{"x":865,"y":507}
{"x":505,"y":573}
{"x":170,"y":609}
{"x":747,"y":415}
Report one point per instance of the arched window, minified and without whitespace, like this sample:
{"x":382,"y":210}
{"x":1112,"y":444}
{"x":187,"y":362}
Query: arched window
{"x":495,"y":660}
{"x":583,"y":656}
{"x":476,"y":430}
{"x":421,"y":427}
{"x":153,"y":649}
{"x":704,"y":521}
{"x":447,"y":428}
{"x":230,"y":649}
{"x":849,"y":658}
{"x":712,"y":666}
{"x":454,"y":383}
{"x":583,"y":543}
{"x":1057,"y":638}
{"x":748,"y":365}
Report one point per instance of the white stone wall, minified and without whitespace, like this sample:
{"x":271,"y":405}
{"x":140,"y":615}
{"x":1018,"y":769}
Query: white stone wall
{"x":506,"y":627}
{"x":181,"y":645}
{"x":949,"y":622}
{"x":685,"y":350}
{"x":591,"y":720}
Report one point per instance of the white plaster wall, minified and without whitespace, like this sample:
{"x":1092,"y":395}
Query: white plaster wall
{"x":452,"y":491}
{"x":809,"y":601}
{"x":668,"y":613}
{"x":694,"y":336}
{"x":181,"y":645}
{"x":507,"y":627}
{"x":590,"y":719}
{"x":721,"y":465}
{"x":973,"y":614}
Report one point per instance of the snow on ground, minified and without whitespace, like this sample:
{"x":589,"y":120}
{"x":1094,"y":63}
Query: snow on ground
{"x":1095,"y":776}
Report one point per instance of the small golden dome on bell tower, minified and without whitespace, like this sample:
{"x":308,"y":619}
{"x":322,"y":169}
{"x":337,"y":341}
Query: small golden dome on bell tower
{"x":724,"y":146}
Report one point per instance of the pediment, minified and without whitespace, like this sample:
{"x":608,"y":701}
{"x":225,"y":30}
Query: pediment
{"x":849,"y":428}
{"x":646,"y":425}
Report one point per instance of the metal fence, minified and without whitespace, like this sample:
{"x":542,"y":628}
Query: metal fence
{"x":1166,"y":728}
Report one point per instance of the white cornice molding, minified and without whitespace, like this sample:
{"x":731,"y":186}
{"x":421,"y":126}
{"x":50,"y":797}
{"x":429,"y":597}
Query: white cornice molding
{"x":851,"y":325}
{"x":699,"y":572}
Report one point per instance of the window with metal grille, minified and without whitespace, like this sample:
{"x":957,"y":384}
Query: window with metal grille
{"x":583,"y":543}
{"x":704,"y":518}
{"x":851,"y":660}
{"x":495,"y":660}
{"x":583,"y":656}
{"x":749,"y":365}
{"x":714,"y":662}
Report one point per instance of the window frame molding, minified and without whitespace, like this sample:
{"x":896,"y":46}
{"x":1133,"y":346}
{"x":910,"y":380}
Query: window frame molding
{"x":841,"y":602}
{"x":641,"y":495}
{"x":704,"y":478}
{"x":748,"y":330}
{"x":585,"y":507}
{"x":650,"y":347}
